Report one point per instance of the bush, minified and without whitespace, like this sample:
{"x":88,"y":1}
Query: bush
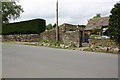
{"x":26,"y":27}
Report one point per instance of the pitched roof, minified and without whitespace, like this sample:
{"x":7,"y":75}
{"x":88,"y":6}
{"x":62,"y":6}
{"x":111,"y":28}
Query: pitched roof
{"x":97,"y":23}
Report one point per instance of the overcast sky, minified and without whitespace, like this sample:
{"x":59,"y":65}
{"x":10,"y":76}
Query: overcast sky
{"x":70,"y":11}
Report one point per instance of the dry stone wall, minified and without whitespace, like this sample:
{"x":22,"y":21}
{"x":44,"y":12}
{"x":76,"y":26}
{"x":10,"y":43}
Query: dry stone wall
{"x":21,"y":38}
{"x":0,"y":38}
{"x":107,"y":45}
{"x":48,"y":35}
{"x":103,"y":42}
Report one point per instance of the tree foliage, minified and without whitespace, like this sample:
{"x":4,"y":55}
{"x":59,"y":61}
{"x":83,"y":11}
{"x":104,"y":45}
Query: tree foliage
{"x":10,"y":11}
{"x":50,"y":26}
{"x":97,"y":16}
{"x":82,"y":26}
{"x":114,"y":23}
{"x":54,"y":25}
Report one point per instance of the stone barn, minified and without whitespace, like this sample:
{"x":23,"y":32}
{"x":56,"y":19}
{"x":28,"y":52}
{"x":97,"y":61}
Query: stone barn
{"x":68,"y":33}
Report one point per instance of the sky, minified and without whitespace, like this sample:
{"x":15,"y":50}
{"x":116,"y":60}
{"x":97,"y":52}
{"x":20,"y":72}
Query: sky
{"x":70,"y":11}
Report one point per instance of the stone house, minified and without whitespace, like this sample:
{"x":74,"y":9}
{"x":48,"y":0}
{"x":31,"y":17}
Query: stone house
{"x":97,"y":26}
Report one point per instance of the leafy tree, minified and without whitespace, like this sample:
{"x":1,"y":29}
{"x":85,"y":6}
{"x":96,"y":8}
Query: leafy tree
{"x":49,"y":26}
{"x":97,"y":16}
{"x":82,"y":26}
{"x":0,"y":12}
{"x":114,"y":23}
{"x":54,"y":25}
{"x":10,"y":11}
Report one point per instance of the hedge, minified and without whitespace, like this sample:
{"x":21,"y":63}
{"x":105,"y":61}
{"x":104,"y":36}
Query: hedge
{"x":35,"y":26}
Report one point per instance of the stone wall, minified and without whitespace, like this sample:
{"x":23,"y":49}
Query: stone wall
{"x":71,"y":37}
{"x":103,"y":42}
{"x":48,"y":35}
{"x":21,"y":38}
{"x":67,"y":34}
{"x":106,"y":45}
{"x":0,"y":38}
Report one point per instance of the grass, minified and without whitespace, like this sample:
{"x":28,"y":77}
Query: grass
{"x":56,"y":43}
{"x":93,"y":36}
{"x":44,"y":46}
{"x":52,"y":44}
{"x":31,"y":44}
{"x":93,"y":49}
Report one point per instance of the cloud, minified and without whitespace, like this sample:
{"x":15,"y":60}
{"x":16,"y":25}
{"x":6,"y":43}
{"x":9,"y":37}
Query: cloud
{"x":70,"y":11}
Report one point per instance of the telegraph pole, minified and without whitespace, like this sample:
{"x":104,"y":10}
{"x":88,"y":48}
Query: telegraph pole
{"x":57,"y":27}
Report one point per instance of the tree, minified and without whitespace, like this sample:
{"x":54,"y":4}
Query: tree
{"x":82,"y":26}
{"x":114,"y":23}
{"x":10,"y":11}
{"x":97,"y":16}
{"x":49,"y":26}
{"x":54,"y":26}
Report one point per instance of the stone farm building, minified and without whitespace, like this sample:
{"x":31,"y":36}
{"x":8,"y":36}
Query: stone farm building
{"x":68,"y":33}
{"x":100,"y":25}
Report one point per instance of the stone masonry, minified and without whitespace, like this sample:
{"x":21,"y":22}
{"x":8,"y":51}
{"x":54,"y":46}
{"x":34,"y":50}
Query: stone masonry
{"x":67,"y":34}
{"x":21,"y":38}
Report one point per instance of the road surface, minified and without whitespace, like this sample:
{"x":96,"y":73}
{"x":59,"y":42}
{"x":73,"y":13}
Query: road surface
{"x":23,"y":61}
{"x":0,"y":60}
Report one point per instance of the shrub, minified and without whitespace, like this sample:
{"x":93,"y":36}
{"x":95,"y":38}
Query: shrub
{"x":26,"y":27}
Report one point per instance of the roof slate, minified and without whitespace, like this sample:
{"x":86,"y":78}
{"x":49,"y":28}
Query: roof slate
{"x":97,"y":23}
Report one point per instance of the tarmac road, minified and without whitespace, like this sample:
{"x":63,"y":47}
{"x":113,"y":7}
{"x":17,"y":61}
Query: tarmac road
{"x":23,"y":61}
